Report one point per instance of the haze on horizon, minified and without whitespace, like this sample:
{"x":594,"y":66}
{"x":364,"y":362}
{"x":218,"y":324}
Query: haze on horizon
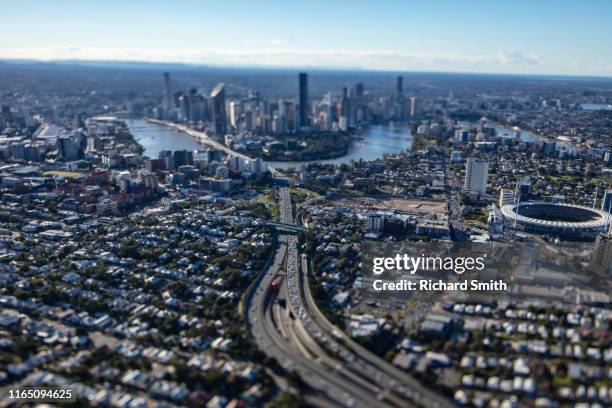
{"x":519,"y":37}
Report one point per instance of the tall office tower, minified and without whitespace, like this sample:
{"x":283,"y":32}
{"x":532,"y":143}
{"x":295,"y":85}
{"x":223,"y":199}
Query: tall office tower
{"x":359,"y":89}
{"x":606,"y":202}
{"x":183,"y":104}
{"x":345,"y":111}
{"x":303,"y":100}
{"x":167,"y":90}
{"x":400,"y":106}
{"x":264,"y":108}
{"x":233,"y":113}
{"x":476,"y":173}
{"x":413,"y":106}
{"x":291,"y":120}
{"x":27,"y":117}
{"x":249,"y":120}
{"x":193,"y":112}
{"x":218,"y":110}
{"x":278,"y":125}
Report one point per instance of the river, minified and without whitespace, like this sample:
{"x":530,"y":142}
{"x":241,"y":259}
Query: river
{"x":596,"y":106}
{"x":155,"y":138}
{"x":372,"y":144}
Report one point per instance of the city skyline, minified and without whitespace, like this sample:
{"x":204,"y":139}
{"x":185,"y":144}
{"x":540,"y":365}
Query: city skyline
{"x":567,"y":38}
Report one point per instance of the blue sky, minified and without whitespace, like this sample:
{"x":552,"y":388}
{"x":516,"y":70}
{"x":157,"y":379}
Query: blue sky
{"x":538,"y":36}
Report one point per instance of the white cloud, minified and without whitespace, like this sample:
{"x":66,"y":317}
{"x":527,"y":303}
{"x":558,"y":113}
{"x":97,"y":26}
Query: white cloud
{"x":517,"y":58}
{"x":278,"y":42}
{"x":275,"y":52}
{"x":272,"y":42}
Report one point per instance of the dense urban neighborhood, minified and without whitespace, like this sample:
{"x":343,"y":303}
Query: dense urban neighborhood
{"x":200,"y":238}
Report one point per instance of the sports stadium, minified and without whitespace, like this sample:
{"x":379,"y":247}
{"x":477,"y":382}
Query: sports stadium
{"x":566,"y":221}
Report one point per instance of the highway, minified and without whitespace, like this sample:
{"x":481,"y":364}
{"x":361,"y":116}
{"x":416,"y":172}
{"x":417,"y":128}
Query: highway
{"x":383,"y":371}
{"x":275,"y":338}
{"x":288,"y":325}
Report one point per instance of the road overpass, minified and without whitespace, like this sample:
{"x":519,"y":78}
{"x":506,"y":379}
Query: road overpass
{"x":283,"y":226}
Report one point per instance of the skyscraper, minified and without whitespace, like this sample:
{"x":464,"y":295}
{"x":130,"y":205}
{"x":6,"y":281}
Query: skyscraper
{"x":303,"y":100}
{"x":218,"y":111}
{"x":400,"y":108}
{"x":476,"y":173}
{"x":359,"y":90}
{"x":233,"y":113}
{"x":167,"y":90}
{"x":413,"y":106}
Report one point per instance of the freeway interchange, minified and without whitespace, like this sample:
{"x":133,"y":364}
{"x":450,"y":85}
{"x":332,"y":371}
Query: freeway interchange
{"x":288,"y":326}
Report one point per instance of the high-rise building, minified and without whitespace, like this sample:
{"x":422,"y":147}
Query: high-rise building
{"x":69,"y":146}
{"x":249,"y":120}
{"x":234,"y":113}
{"x":167,"y":91}
{"x":602,"y":254}
{"x":359,"y":90}
{"x":400,"y":85}
{"x":303,"y":100}
{"x":235,"y":164}
{"x":183,"y":105}
{"x":376,"y":222}
{"x":345,"y":110}
{"x":196,"y":106}
{"x":549,"y":147}
{"x":218,"y":110}
{"x":182,"y":157}
{"x":278,"y":125}
{"x":27,"y":117}
{"x":168,"y":159}
{"x":414,"y":108}
{"x":606,"y":202}
{"x":476,"y":173}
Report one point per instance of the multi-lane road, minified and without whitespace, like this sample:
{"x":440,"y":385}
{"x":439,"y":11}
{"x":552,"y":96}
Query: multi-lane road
{"x":288,"y":326}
